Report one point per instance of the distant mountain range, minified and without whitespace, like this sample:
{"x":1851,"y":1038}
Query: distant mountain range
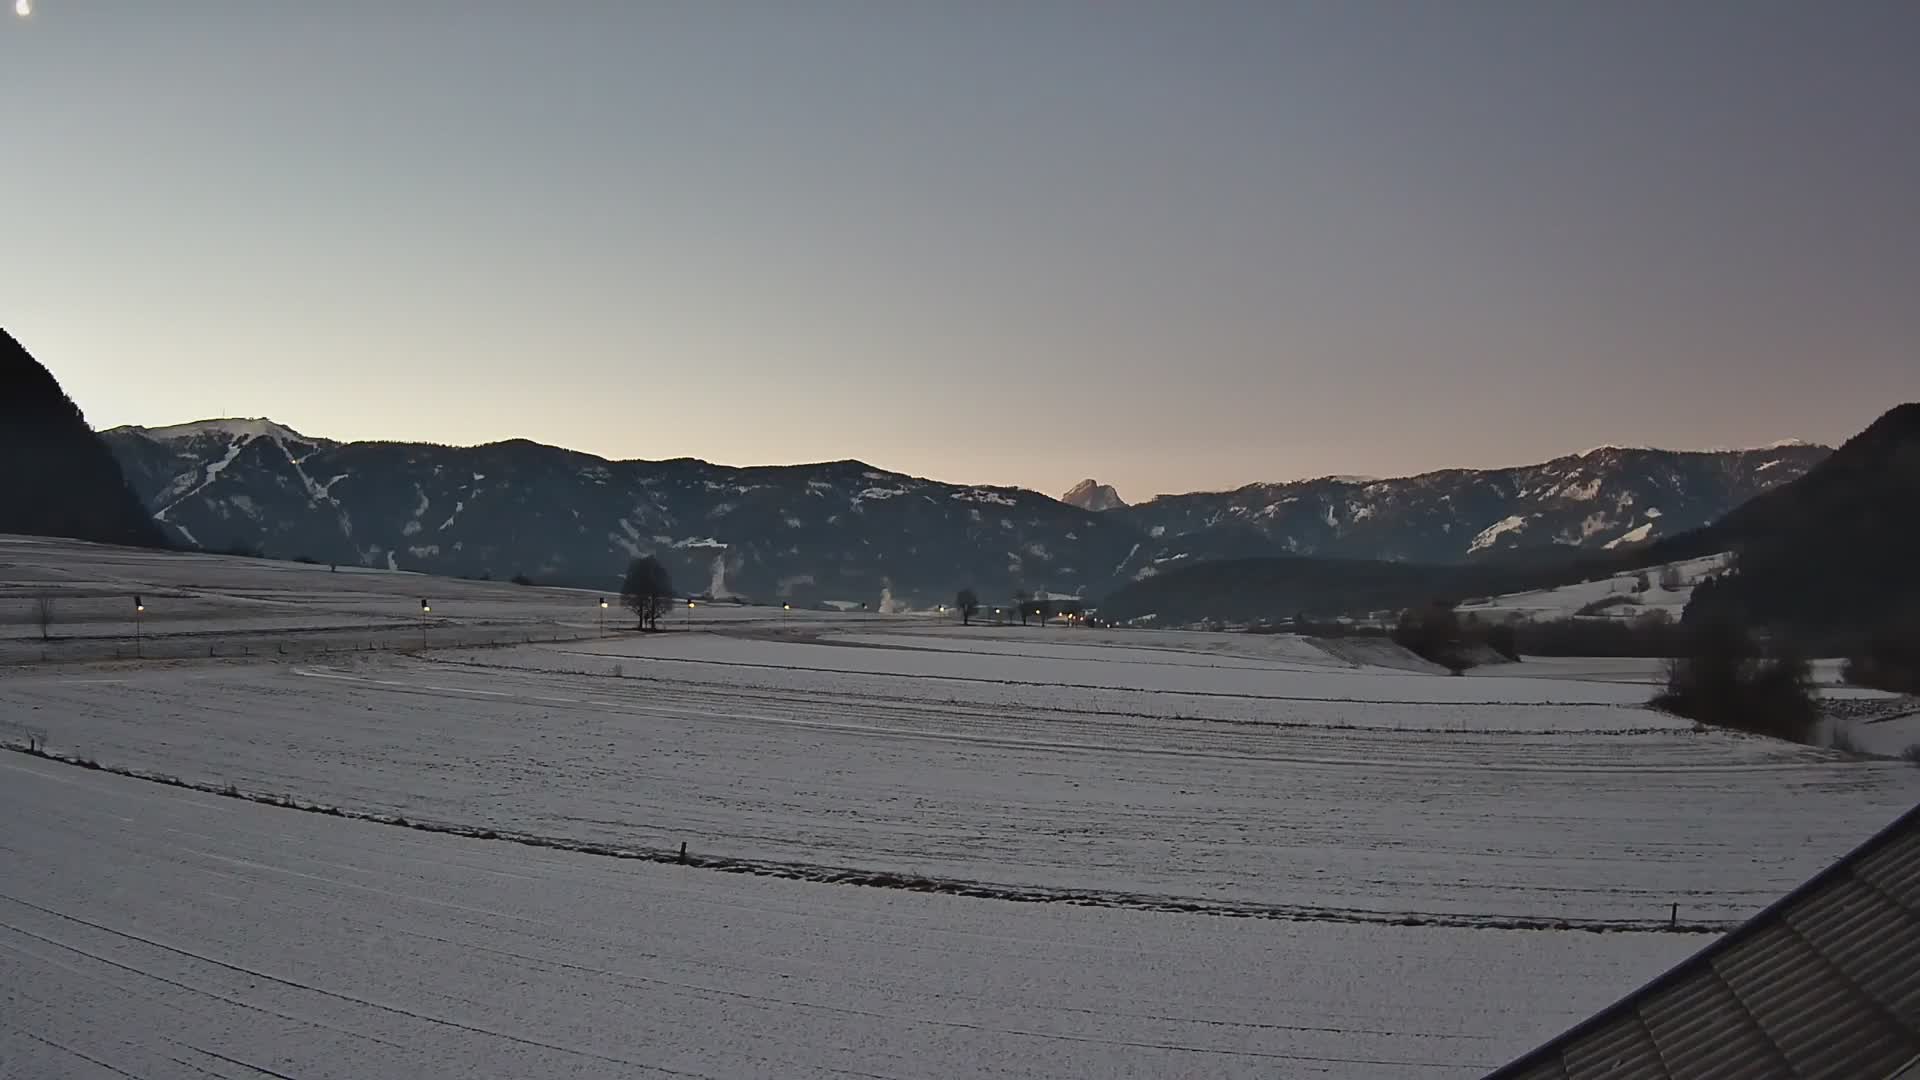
{"x":849,"y":531}
{"x":1606,"y":498}
{"x":808,"y":533}
{"x":1826,"y":558}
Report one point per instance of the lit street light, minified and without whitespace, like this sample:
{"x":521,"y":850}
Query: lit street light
{"x":139,"y":609}
{"x":425,"y":610}
{"x":603,"y":616}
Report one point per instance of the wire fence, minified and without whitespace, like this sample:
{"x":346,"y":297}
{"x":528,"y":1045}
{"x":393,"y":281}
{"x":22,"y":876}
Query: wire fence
{"x":282,"y":644}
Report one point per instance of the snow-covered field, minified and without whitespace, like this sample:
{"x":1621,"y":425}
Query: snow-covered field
{"x":197,"y":604}
{"x":152,"y":932}
{"x":1407,"y":799}
{"x":1417,"y":863}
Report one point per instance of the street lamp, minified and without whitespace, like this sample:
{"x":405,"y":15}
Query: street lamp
{"x":425,"y":610}
{"x":139,"y":609}
{"x":603,"y":616}
{"x":689,"y":614}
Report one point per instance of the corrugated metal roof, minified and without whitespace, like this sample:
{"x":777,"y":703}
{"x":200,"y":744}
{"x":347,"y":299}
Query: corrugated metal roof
{"x":1823,"y":983}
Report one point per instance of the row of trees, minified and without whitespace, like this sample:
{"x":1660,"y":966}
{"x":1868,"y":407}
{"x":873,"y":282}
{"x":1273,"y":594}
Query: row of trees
{"x":648,"y":592}
{"x":1729,"y":679}
{"x":967,"y":603}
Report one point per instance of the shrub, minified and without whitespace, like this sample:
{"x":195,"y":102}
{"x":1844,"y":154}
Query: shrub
{"x":1433,"y":633}
{"x":522,"y":579}
{"x":1890,"y":660}
{"x":1724,"y":680}
{"x":1650,"y":634}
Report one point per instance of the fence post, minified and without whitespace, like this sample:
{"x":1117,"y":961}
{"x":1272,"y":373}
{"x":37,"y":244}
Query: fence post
{"x":683,"y":851}
{"x":1673,"y":920}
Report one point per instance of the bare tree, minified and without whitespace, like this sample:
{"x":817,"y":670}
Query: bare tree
{"x":1020,"y":601}
{"x":1670,"y":578}
{"x":43,"y":616}
{"x":968,"y":602}
{"x":647,"y":591}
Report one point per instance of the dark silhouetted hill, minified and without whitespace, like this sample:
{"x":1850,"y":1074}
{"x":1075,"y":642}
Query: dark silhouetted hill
{"x":1834,"y":553}
{"x":57,"y":478}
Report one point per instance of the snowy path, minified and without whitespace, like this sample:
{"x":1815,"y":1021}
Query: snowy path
{"x":153,"y":932}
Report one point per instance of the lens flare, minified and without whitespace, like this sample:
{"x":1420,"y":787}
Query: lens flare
{"x":23,"y":8}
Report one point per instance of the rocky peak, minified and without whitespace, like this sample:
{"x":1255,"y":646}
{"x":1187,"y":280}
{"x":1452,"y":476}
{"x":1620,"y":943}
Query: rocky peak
{"x":1092,"y":495}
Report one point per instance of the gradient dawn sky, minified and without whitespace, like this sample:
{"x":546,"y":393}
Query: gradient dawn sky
{"x":1172,"y":246}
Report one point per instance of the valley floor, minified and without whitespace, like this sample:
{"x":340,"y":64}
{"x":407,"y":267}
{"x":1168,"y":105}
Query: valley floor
{"x":1180,"y":854}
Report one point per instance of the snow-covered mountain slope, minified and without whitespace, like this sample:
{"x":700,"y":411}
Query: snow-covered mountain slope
{"x":1664,"y":588}
{"x":846,"y":529}
{"x":1606,"y":498}
{"x":805,"y":532}
{"x":1090,"y":494}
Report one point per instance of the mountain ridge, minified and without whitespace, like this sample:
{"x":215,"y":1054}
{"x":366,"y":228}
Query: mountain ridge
{"x":849,"y":530}
{"x":1824,"y":557}
{"x":1088,"y":484}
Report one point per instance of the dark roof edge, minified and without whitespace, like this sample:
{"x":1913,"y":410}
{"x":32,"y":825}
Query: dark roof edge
{"x":1545,"y":1051}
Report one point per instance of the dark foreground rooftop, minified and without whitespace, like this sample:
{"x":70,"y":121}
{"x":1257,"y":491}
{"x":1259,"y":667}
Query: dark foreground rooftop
{"x":1824,"y":983}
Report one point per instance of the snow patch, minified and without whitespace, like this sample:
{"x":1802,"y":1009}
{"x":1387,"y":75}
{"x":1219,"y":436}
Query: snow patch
{"x":1490,"y":535}
{"x":240,"y":430}
{"x":1584,"y":493}
{"x":1631,"y":536}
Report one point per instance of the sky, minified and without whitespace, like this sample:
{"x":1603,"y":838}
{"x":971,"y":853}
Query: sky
{"x":1173,"y":246}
